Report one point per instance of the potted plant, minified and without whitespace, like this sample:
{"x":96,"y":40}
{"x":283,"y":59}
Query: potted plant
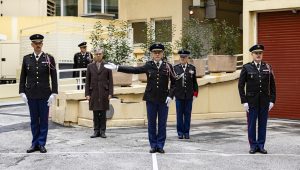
{"x":194,"y":39}
{"x":224,"y":44}
{"x":114,"y":40}
{"x":163,"y":31}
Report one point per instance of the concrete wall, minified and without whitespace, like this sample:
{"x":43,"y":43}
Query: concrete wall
{"x":9,"y":93}
{"x":250,"y":10}
{"x":218,"y":98}
{"x":13,"y":25}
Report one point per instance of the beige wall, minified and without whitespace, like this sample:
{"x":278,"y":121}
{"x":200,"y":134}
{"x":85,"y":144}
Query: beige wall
{"x":145,"y":10}
{"x":250,"y":9}
{"x":13,"y":25}
{"x":218,"y":98}
{"x":80,"y":7}
{"x":23,"y":7}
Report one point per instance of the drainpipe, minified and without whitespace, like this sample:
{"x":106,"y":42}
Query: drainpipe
{"x":210,"y":9}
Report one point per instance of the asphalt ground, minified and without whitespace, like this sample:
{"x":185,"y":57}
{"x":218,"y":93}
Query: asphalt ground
{"x":214,"y":144}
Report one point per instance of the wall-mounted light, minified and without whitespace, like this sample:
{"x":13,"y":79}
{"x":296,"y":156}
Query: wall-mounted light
{"x":191,"y":10}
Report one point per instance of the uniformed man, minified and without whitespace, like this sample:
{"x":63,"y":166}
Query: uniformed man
{"x":259,"y":99}
{"x":157,"y":94}
{"x":186,"y":91}
{"x":81,"y":60}
{"x":37,"y":69}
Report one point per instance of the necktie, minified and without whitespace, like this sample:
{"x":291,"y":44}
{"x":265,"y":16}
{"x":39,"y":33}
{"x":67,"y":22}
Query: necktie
{"x":98,"y":65}
{"x":183,"y":66}
{"x":258,"y":65}
{"x":157,"y":64}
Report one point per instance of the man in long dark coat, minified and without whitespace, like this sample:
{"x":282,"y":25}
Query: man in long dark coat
{"x":98,"y":90}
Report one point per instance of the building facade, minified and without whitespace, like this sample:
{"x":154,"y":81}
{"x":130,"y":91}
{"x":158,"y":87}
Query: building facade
{"x":175,"y":12}
{"x":89,"y":8}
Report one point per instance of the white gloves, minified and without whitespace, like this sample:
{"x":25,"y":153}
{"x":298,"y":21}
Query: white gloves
{"x":168,"y":100}
{"x":51,"y":99}
{"x":111,"y":66}
{"x":23,"y":95}
{"x":246,"y":107}
{"x":271,"y":105}
{"x":194,"y":97}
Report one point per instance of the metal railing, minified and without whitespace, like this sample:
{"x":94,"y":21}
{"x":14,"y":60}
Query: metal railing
{"x":79,"y":79}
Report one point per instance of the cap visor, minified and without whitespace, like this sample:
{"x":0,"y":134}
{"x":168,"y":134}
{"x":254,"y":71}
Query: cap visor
{"x":37,"y":40}
{"x":183,"y":55}
{"x":258,"y":50}
{"x":157,"y":49}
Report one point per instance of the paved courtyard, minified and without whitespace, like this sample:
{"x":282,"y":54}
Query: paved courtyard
{"x":214,"y":144}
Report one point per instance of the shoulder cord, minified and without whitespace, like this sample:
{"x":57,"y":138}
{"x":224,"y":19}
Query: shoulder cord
{"x":50,"y":66}
{"x":173,"y":73}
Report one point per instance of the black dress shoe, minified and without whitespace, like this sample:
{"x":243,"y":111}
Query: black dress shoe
{"x":43,"y":149}
{"x":252,"y":151}
{"x":263,"y":151}
{"x":95,"y":135}
{"x":186,"y":136}
{"x":152,"y":150}
{"x":160,"y":150}
{"x":103,"y":135}
{"x":32,"y":149}
{"x":180,"y":137}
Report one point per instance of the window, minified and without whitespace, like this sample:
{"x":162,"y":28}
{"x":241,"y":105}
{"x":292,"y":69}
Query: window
{"x":139,"y":34}
{"x":163,"y":31}
{"x":111,"y":7}
{"x":58,"y":8}
{"x":66,"y":7}
{"x":102,"y":6}
{"x":70,"y":8}
{"x":94,"y":6}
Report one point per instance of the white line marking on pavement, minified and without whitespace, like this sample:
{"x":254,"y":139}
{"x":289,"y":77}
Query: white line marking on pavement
{"x":284,"y":121}
{"x":146,"y":153}
{"x":154,"y":162}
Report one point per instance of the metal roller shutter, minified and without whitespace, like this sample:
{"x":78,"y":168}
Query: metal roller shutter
{"x":280,"y":33}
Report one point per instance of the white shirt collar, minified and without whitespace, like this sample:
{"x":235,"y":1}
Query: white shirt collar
{"x":160,"y":61}
{"x":257,"y":63}
{"x":38,"y":56}
{"x":185,"y":65}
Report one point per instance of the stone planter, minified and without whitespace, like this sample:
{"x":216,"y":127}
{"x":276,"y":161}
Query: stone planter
{"x":198,"y":63}
{"x":221,"y":63}
{"x":200,"y":66}
{"x":122,"y":79}
{"x":142,"y":77}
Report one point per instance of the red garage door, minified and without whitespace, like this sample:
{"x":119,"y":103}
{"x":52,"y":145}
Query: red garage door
{"x":280,"y":33}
